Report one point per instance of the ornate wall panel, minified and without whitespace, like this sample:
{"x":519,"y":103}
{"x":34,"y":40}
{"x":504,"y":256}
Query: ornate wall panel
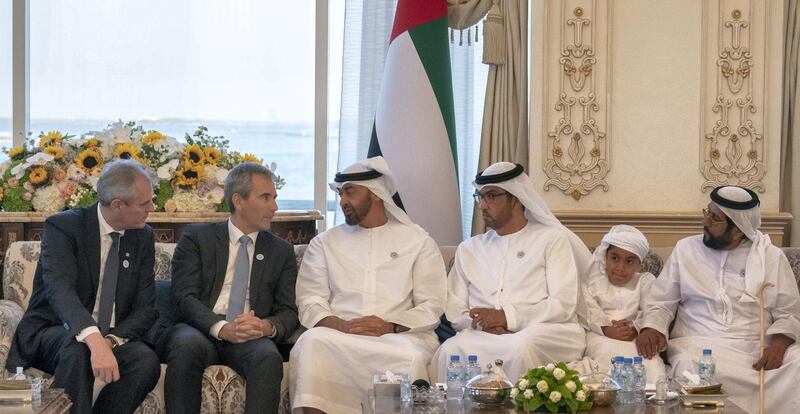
{"x":576,"y":95}
{"x":733,"y":141}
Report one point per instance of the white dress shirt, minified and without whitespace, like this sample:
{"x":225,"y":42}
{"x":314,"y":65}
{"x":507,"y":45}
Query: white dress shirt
{"x":105,"y":244}
{"x":221,"y":307}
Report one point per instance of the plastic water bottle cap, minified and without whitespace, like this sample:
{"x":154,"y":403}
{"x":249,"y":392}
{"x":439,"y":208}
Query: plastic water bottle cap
{"x":706,"y":351}
{"x":455,"y":358}
{"x":637,"y":359}
{"x":472,"y":358}
{"x":628,"y":361}
{"x":619,"y":359}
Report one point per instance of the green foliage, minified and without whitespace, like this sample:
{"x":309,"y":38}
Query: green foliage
{"x":163,"y":193}
{"x":539,"y":400}
{"x":202,"y":138}
{"x":87,"y":199}
{"x":12,"y":200}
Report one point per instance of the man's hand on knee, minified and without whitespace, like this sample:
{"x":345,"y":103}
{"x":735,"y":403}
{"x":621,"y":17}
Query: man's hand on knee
{"x":104,"y":363}
{"x":650,"y":342}
{"x":772,"y":358}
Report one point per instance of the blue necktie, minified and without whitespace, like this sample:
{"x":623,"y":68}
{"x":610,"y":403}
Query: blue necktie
{"x":109,"y":289}
{"x":241,"y":269}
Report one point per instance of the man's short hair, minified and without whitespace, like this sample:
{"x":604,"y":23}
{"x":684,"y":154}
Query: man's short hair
{"x":240,"y":181}
{"x":118,"y":178}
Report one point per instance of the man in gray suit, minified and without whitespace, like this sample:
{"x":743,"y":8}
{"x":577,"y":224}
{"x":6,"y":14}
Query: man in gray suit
{"x":233,"y":285}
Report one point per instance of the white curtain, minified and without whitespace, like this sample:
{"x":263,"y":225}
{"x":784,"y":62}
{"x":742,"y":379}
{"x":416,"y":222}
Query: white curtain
{"x":368,"y":25}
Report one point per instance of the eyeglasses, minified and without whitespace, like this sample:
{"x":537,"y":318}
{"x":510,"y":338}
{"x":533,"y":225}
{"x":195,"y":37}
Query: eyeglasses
{"x":488,"y":197}
{"x":707,"y":215}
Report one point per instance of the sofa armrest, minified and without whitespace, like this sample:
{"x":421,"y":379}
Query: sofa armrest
{"x":10,"y":315}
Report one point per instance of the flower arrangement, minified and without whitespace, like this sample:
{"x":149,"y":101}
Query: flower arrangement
{"x":553,"y":387}
{"x":57,"y":171}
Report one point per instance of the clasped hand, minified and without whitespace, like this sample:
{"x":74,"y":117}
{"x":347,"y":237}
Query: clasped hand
{"x":246,"y":327}
{"x":622,"y":330}
{"x":489,"y":320}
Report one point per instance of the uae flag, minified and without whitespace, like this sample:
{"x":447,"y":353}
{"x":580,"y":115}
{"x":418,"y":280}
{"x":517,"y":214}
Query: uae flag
{"x":415,"y":122}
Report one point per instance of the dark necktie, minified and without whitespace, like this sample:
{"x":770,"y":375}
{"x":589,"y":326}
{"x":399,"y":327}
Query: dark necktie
{"x":109,"y":285}
{"x":241,"y":269}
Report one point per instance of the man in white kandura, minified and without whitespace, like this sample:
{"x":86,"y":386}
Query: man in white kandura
{"x":613,"y":299}
{"x":712,"y":281}
{"x":370,"y":293}
{"x":513,"y":291}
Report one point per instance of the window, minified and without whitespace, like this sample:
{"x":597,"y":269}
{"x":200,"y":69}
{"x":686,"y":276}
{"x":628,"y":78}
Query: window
{"x":244,"y":69}
{"x":5,"y":76}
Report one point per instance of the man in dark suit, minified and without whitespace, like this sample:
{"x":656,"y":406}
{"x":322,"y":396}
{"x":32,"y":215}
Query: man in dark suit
{"x":93,"y":297}
{"x":233,"y":286}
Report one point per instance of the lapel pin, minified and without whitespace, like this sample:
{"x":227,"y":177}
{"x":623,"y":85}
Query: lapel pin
{"x":127,"y":254}
{"x":520,"y":254}
{"x":259,"y":256}
{"x":393,"y":255}
{"x":126,"y":264}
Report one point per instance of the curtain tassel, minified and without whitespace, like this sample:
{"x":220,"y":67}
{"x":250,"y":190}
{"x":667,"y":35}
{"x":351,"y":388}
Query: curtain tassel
{"x":494,"y":45}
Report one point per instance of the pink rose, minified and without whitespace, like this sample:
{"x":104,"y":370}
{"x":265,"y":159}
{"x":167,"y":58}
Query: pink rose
{"x":170,"y":206}
{"x":12,"y":183}
{"x":27,"y":197}
{"x":28,"y":186}
{"x":66,"y":190}
{"x":59,"y":174}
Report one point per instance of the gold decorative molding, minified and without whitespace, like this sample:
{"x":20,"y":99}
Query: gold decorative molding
{"x":576,"y":149}
{"x":733,"y":144}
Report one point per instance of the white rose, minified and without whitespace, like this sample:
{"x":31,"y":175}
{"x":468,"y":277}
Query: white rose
{"x":523,"y":384}
{"x":550,"y":367}
{"x":559,"y":373}
{"x":542,"y":386}
{"x":580,"y":396}
{"x":221,"y":175}
{"x":528,"y":394}
{"x":570,"y":386}
{"x":555,"y":396}
{"x":514,"y":392}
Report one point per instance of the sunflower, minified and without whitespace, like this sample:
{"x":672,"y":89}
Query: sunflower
{"x":189,"y":176}
{"x":91,"y":143}
{"x":50,"y":138}
{"x":38,"y":176}
{"x":56,"y":151}
{"x":194,"y":155}
{"x":153,"y":137}
{"x":126,"y":152}
{"x":1,"y":193}
{"x":251,"y":158}
{"x":89,"y":159}
{"x":16,"y":151}
{"x":213,"y":155}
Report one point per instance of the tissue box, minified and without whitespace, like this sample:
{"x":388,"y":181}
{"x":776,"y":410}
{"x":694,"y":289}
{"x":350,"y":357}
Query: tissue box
{"x":384,"y":388}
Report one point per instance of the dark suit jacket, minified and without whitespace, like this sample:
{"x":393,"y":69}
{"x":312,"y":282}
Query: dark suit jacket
{"x":66,"y":282}
{"x":198,"y":272}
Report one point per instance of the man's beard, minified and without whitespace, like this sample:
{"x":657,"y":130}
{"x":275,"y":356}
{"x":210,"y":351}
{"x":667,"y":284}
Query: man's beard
{"x":357,"y":214}
{"x":718,"y":242}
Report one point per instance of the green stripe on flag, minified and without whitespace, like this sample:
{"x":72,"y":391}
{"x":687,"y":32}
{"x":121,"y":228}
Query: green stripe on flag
{"x":430,"y":40}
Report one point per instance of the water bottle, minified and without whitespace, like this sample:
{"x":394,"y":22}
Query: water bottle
{"x":473,"y":368}
{"x":616,"y":369}
{"x":455,"y":378}
{"x":641,"y":380}
{"x":628,"y":382}
{"x":20,"y":375}
{"x":706,"y":366}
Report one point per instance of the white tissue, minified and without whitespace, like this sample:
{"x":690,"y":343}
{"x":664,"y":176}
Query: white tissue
{"x":694,"y":378}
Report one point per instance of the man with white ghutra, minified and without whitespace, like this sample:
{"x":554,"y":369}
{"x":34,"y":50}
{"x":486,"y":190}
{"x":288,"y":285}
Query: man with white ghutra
{"x":370,"y":291}
{"x":711,"y":285}
{"x":513,"y":291}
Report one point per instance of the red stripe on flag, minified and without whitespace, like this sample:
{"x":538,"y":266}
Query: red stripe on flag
{"x":412,"y":13}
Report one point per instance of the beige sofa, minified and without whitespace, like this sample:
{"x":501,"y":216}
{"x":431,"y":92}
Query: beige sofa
{"x":223,"y":389}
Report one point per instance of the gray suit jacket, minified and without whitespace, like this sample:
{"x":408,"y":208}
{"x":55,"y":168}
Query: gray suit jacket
{"x":198,"y":272}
